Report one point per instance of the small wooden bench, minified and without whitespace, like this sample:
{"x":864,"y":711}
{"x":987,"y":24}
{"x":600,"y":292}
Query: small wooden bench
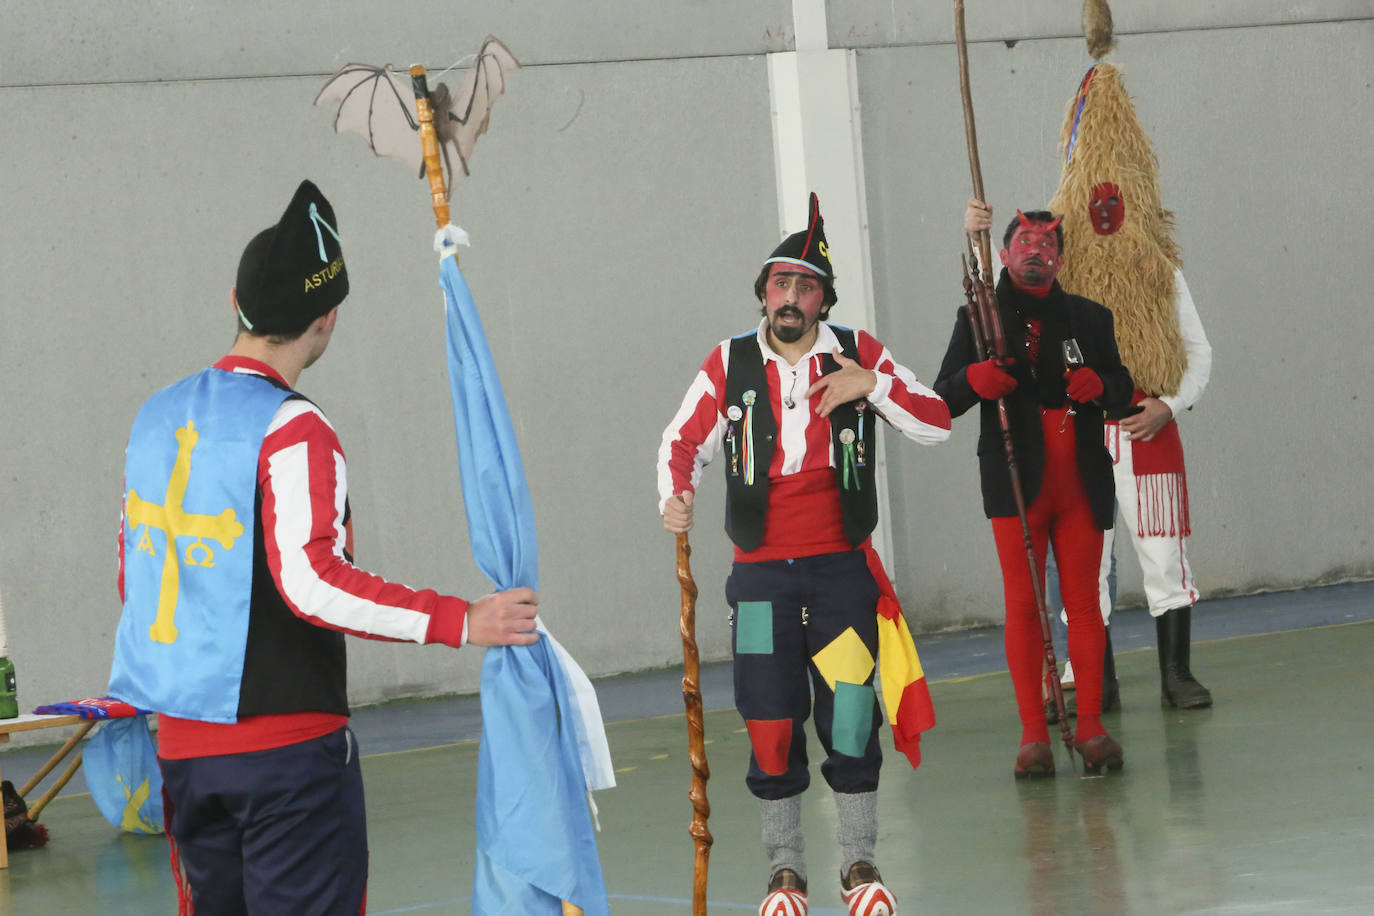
{"x":30,"y":722}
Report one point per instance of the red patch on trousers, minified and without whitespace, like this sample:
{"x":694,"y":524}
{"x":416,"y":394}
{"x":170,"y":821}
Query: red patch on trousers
{"x":770,"y":738}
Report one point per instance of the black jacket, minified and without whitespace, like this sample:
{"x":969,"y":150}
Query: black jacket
{"x":1064,"y":316}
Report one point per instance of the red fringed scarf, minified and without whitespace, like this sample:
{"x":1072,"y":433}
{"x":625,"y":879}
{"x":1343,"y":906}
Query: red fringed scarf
{"x":1161,"y":483}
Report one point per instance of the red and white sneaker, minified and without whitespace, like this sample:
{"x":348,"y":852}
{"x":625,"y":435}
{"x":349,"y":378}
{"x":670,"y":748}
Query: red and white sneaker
{"x":865,"y":894}
{"x":786,"y":895}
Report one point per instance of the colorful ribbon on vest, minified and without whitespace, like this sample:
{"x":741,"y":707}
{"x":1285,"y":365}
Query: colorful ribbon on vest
{"x":749,"y":398}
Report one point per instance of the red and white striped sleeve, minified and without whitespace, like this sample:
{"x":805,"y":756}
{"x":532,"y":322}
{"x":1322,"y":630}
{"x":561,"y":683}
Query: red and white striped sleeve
{"x":304,"y":483}
{"x":913,"y":409}
{"x":693,"y":437}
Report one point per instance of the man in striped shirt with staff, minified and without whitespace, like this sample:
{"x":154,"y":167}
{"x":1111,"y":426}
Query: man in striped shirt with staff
{"x":794,"y":405}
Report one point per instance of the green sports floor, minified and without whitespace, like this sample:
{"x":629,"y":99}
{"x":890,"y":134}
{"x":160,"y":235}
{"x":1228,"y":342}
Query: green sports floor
{"x":1262,"y":804}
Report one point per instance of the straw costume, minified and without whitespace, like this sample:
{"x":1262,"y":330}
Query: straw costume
{"x":1119,"y":250}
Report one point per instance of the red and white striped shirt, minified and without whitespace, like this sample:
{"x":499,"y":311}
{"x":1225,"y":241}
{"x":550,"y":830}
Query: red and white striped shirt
{"x":304,"y":485}
{"x":804,"y":444}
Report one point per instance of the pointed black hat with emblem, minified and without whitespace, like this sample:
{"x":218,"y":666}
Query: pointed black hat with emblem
{"x":807,"y":248}
{"x":293,"y":272}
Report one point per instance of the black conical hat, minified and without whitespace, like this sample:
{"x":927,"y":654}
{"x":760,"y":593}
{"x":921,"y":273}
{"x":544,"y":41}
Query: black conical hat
{"x":293,"y":272}
{"x":808,"y":247}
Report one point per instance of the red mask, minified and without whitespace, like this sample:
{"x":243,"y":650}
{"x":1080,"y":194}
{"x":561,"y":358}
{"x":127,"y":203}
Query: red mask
{"x":1107,"y":211}
{"x":1032,"y":255}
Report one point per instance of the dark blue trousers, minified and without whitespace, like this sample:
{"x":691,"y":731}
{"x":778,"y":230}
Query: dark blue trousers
{"x":803,"y":627}
{"x":281,"y":831}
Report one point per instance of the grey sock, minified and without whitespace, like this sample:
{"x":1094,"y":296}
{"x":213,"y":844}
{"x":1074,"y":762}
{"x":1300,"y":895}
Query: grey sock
{"x":783,"y":842}
{"x":856,"y":828}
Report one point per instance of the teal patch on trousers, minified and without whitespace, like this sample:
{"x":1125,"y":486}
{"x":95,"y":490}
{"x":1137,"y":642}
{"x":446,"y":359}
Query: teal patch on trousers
{"x":853,"y":722}
{"x":754,"y":628}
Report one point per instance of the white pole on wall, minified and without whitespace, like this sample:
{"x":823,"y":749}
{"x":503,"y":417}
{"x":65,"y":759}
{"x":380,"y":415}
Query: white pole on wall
{"x":818,"y":146}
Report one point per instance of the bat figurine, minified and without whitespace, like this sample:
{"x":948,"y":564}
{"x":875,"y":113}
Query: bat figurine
{"x":378,"y":103}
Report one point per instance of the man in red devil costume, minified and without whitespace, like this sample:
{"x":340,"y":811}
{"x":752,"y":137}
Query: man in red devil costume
{"x":1056,"y":415}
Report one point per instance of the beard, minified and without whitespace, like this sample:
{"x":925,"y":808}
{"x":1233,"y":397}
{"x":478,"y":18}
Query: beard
{"x":789,"y":333}
{"x":1032,"y":274}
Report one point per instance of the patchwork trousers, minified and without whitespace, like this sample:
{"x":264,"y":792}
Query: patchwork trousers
{"x":805,"y":640}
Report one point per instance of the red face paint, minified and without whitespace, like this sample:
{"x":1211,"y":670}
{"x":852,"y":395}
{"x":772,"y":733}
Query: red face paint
{"x":1032,"y":256}
{"x":792,"y":301}
{"x":1106,"y":210}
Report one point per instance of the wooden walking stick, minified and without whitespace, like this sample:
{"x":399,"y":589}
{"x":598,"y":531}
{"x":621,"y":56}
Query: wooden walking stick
{"x":696,"y":733}
{"x":986,"y":321}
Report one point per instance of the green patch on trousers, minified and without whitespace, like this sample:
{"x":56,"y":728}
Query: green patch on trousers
{"x":853,"y":721}
{"x":754,"y":628}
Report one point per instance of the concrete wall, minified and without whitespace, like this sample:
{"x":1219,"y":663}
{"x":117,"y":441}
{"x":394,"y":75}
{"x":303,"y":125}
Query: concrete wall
{"x":619,"y":208}
{"x":877,"y":23}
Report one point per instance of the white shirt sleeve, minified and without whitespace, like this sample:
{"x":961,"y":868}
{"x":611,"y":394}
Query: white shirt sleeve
{"x":1195,"y":346}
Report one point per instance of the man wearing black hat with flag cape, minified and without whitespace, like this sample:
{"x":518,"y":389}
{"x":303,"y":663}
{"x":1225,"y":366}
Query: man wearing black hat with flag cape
{"x":794,"y":404}
{"x":238,"y":585}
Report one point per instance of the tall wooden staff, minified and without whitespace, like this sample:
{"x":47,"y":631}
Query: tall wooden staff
{"x":986,"y":320}
{"x":696,"y":732}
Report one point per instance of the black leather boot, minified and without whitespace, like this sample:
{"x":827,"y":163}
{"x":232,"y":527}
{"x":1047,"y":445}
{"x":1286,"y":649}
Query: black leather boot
{"x":1111,"y":689}
{"x":1177,"y":685}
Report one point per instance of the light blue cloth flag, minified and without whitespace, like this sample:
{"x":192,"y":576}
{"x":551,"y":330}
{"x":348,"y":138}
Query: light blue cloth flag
{"x":535,"y":841}
{"x":123,"y":775}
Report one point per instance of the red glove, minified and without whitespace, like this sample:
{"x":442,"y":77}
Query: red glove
{"x":1084,"y":385}
{"x":989,"y":380}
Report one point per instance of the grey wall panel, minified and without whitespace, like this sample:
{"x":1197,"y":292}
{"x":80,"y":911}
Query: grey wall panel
{"x":618,"y":212}
{"x":875,"y":23}
{"x":1262,"y":135}
{"x":65,"y":41}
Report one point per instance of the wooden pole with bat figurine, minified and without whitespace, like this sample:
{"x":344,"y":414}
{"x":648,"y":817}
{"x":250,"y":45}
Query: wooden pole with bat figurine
{"x":447,"y":126}
{"x":429,"y":145}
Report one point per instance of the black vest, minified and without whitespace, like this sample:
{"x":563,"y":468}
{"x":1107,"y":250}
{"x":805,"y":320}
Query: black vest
{"x":750,"y":436}
{"x":289,"y":665}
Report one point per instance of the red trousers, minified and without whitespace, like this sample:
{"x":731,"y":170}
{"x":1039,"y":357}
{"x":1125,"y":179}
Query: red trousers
{"x":1060,"y":516}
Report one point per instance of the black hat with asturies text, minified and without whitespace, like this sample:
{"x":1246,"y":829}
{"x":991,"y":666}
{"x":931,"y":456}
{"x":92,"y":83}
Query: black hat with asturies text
{"x":293,"y":272}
